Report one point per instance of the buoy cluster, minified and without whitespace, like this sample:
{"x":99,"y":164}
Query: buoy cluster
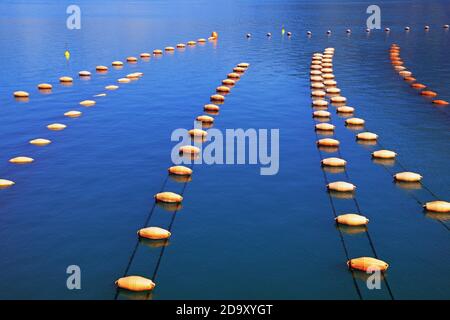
{"x":321,"y":71}
{"x":139,"y":283}
{"x":398,"y":65}
{"x":46,"y":87}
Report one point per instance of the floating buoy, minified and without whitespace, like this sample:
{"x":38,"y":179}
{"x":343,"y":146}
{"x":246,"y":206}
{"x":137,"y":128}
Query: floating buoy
{"x":321,"y":114}
{"x":440,"y":102}
{"x":56,"y":126}
{"x":84,"y":73}
{"x":197,"y":133}
{"x":233,"y":75}
{"x":181,"y":46}
{"x":289,"y":33}
{"x":328,"y":142}
{"x":428,"y":93}
{"x":320,"y":103}
{"x":169,"y":49}
{"x":411,"y":79}
{"x":387,"y":29}
{"x":328,"y":31}
{"x":135,"y":283}
{"x":405,"y":73}
{"x":154,"y":233}
{"x":316,"y":67}
{"x":316,"y":78}
{"x":308,"y":33}
{"x":189,"y":150}
{"x":248,"y":35}
{"x":345,"y":109}
{"x":243,"y":65}
{"x":324,"y":126}
{"x":354,"y":121}
{"x":268,"y":34}
{"x":317,"y":85}
{"x":327,"y":70}
{"x":437,"y":206}
{"x":316,"y":62}
{"x":427,"y":27}
{"x":399,"y":68}
{"x":333,"y":90}
{"x":180,"y":170}
{"x":223,"y":89}
{"x":348,"y":31}
{"x":101,"y":68}
{"x":157,"y":52}
{"x":445,"y":26}
{"x":334,"y":162}
{"x":21,"y":94}
{"x":352,"y":219}
{"x":111,"y":87}
{"x":407,"y":176}
{"x":132,"y":59}
{"x":239,"y":69}
{"x":338,"y":99}
{"x":87,"y":103}
{"x":72,"y":114}
{"x":330,"y":83}
{"x":123,"y":80}
{"x":217,"y":97}
{"x":145,"y":55}
{"x":214,"y":34}
{"x":6,"y":183}
{"x":66,"y":79}
{"x":228,"y":82}
{"x":366,"y":136}
{"x":367,"y":30}
{"x":367,"y":263}
{"x":170,"y":197}
{"x":407,"y":28}
{"x":205,"y":119}
{"x":211,"y":107}
{"x":341,"y":186}
{"x":201,"y":40}
{"x":384,"y":154}
{"x":418,"y":86}
{"x":118,"y":63}
{"x":40,"y":142}
{"x":45,"y":86}
{"x":21,"y":160}
{"x":318,"y":93}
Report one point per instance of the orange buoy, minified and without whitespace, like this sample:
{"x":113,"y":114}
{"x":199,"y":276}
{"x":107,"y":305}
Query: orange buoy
{"x":197,"y":133}
{"x":135,"y":283}
{"x":214,"y":34}
{"x":334,"y":162}
{"x":145,"y":55}
{"x":233,"y":75}
{"x":6,"y":183}
{"x":56,"y":126}
{"x":243,"y":65}
{"x":211,"y":107}
{"x":180,"y":170}
{"x":223,"y":89}
{"x":316,"y":67}
{"x":154,"y":233}
{"x":384,"y":154}
{"x":341,"y":186}
{"x":189,"y":150}
{"x":318,"y":93}
{"x":132,"y":59}
{"x":418,"y":86}
{"x":320,"y":103}
{"x":316,"y":78}
{"x":66,"y":79}
{"x":367,"y":263}
{"x":101,"y":68}
{"x":333,"y":90}
{"x":84,"y":73}
{"x":338,"y":99}
{"x":410,"y":79}
{"x":169,"y":49}
{"x":112,"y":87}
{"x":45,"y":86}
{"x":21,"y":160}
{"x":87,"y":103}
{"x":21,"y":94}
{"x":117,"y":63}
{"x":438,"y":206}
{"x":181,"y":45}
{"x":72,"y":114}
{"x":345,"y":109}
{"x":354,"y":121}
{"x":205,"y":119}
{"x":201,"y":40}
{"x":327,"y":70}
{"x":405,"y":73}
{"x":170,"y":197}
{"x":191,"y":43}
{"x":328,"y":142}
{"x":315,"y":72}
{"x":399,"y":68}
{"x":324,"y":126}
{"x":330,"y":83}
{"x":352,"y":219}
{"x":228,"y":82}
{"x":40,"y":142}
{"x":407,"y":176}
{"x":317,"y":85}
{"x":428,"y":93}
{"x":366,"y":136}
{"x":217,"y":97}
{"x":157,"y":52}
{"x":239,"y":69}
{"x":321,"y":114}
{"x":440,"y":102}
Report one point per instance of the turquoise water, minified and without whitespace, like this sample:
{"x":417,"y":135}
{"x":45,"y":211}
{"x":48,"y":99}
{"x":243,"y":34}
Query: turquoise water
{"x":239,"y":234}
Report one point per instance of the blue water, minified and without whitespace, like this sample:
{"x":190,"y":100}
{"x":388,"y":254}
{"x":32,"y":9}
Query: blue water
{"x":239,"y":234}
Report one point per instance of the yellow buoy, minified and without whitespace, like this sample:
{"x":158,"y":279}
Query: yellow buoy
{"x":84,"y":73}
{"x":135,"y":283}
{"x":214,"y":34}
{"x":334,"y":162}
{"x":367,"y":136}
{"x":45,"y":86}
{"x":21,"y":160}
{"x":132,"y":59}
{"x":233,"y":75}
{"x":211,"y":107}
{"x":169,"y":48}
{"x":191,"y":43}
{"x":100,"y":95}
{"x":321,"y":114}
{"x":328,"y":142}
{"x":66,"y":79}
{"x":438,"y":206}
{"x":21,"y":94}
{"x":354,"y":121}
{"x":87,"y":103}
{"x":384,"y":154}
{"x":117,"y":63}
{"x":123,"y":80}
{"x":205,"y":119}
{"x":154,"y":233}
{"x":243,"y":65}
{"x":197,"y":133}
{"x":345,"y":109}
{"x":181,"y":45}
{"x":325,"y":126}
{"x":217,"y":97}
{"x":341,"y":186}
{"x":180,"y":170}
{"x":72,"y":114}
{"x":6,"y":183}
{"x":145,"y":55}
{"x":352,"y":219}
{"x":367,"y":263}
{"x":189,"y":150}
{"x":40,"y":142}
{"x":228,"y":82}
{"x":56,"y":126}
{"x":407,"y":176}
{"x":101,"y":68}
{"x":157,"y":52}
{"x":239,"y":69}
{"x":112,"y":87}
{"x":223,"y":89}
{"x":170,"y":197}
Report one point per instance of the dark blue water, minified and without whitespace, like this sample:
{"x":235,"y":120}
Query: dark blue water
{"x":239,"y":234}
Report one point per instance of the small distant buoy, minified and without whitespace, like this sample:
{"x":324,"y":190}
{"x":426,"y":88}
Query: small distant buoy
{"x":440,"y":102}
{"x":205,"y":119}
{"x":418,"y":86}
{"x":132,"y":59}
{"x":233,"y":75}
{"x":328,"y":31}
{"x":45,"y":86}
{"x":112,"y":87}
{"x":243,"y":65}
{"x":330,"y":83}
{"x":191,"y":43}
{"x":328,"y":76}
{"x":437,"y":206}
{"x":56,"y":126}
{"x":6,"y":183}
{"x":428,"y":93}
{"x":333,"y":90}
{"x":248,"y":35}
{"x":387,"y":29}
{"x":367,"y":263}
{"x":180,"y":170}
{"x":321,"y":114}
{"x":316,"y":62}
{"x":217,"y":97}
{"x":308,"y":33}
{"x":345,"y":109}
{"x":157,"y":52}
{"x":84,"y":73}
{"x":87,"y":103}
{"x":354,"y":121}
{"x":65,"y":79}
{"x":101,"y":68}
{"x":72,"y":114}
{"x":189,"y":150}
{"x":407,"y":28}
{"x":366,"y":136}
{"x":324,"y":126}
{"x":21,"y":160}
{"x":315,"y":72}
{"x":316,"y":67}
{"x":211,"y":107}
{"x":135,"y":283}
{"x":445,"y":26}
{"x":341,"y":186}
{"x":334,"y":162}
{"x":118,"y":63}
{"x":145,"y":55}
{"x":197,"y":133}
{"x":352,"y":219}
{"x":100,"y":95}
{"x":320,"y":103}
{"x":170,"y":197}
{"x":367,"y":30}
{"x":427,"y":27}
{"x":269,"y":34}
{"x":214,"y":34}
{"x":407,"y":176}
{"x":289,"y":33}
{"x":338,"y":99}
{"x":154,"y":233}
{"x":348,"y":31}
{"x":21,"y":94}
{"x":318,"y":93}
{"x":181,"y":45}
{"x":133,"y":76}
{"x":327,"y":70}
{"x":399,"y":68}
{"x":239,"y":69}
{"x":124,"y":80}
{"x":409,"y":79}
{"x":317,"y":85}
{"x":201,"y":40}
{"x":316,"y":78}
{"x":40,"y":142}
{"x":228,"y":82}
{"x":169,"y":49}
{"x":384,"y":154}
{"x":223,"y":89}
{"x":327,"y":142}
{"x":405,"y":73}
